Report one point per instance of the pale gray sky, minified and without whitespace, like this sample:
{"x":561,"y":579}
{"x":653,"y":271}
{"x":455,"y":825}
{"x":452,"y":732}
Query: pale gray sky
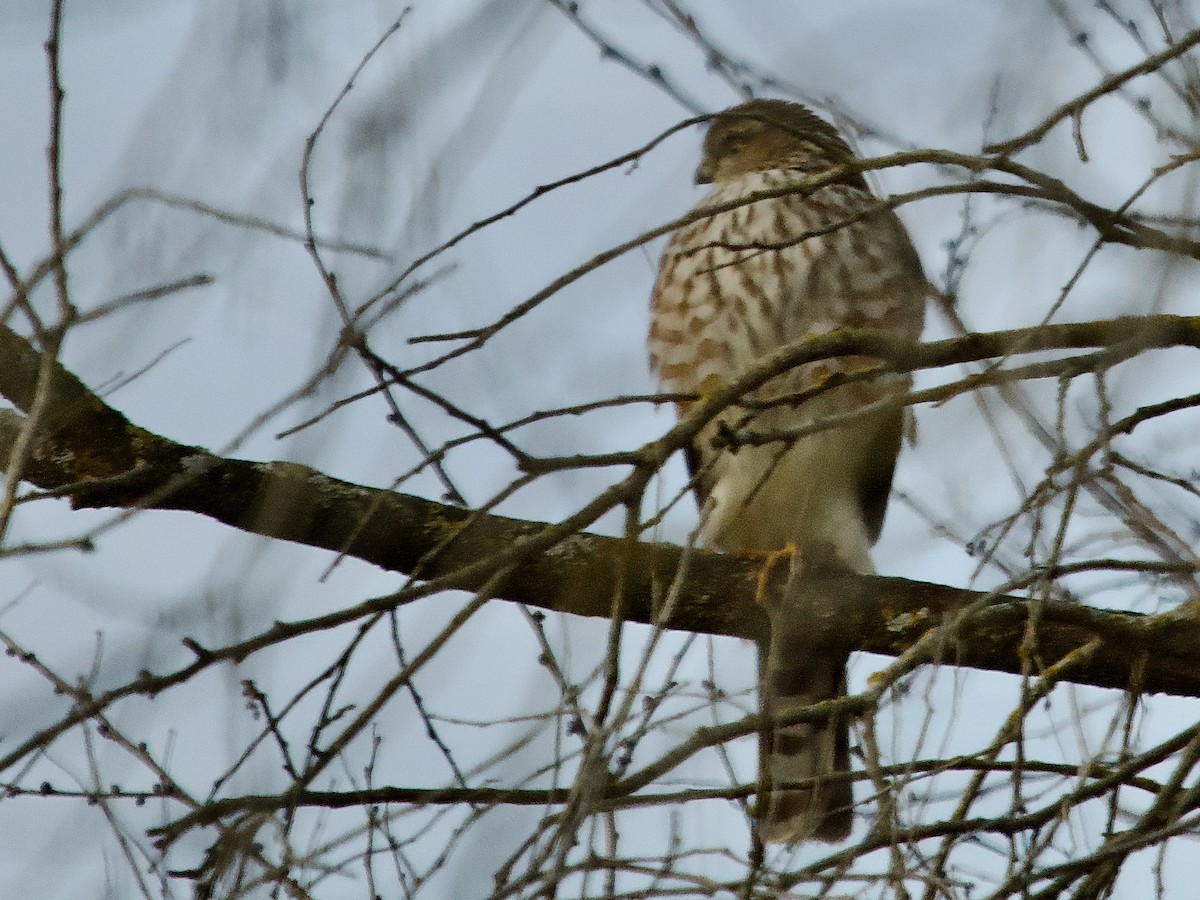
{"x":467,"y":109}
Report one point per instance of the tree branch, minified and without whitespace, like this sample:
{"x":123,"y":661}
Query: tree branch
{"x":91,"y":453}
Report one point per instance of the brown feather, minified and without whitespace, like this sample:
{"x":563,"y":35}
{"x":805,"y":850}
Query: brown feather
{"x":733,"y":287}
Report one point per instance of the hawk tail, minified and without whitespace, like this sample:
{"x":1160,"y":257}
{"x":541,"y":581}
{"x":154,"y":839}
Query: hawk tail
{"x":801,"y":802}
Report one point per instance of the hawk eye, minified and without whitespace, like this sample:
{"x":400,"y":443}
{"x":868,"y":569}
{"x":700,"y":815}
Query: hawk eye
{"x":734,"y":141}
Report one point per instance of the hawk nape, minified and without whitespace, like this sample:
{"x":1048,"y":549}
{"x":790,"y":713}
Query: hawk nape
{"x":734,"y":286}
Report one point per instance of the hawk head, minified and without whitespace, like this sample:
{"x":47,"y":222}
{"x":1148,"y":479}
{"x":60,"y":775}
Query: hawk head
{"x":761,"y":135}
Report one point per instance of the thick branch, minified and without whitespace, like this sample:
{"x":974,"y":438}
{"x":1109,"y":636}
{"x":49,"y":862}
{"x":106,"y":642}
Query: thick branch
{"x":114,"y":463}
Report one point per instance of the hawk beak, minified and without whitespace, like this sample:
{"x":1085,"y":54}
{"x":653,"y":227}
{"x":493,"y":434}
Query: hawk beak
{"x":703,"y":173}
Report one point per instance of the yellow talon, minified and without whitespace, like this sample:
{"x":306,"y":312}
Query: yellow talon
{"x":770,"y":560}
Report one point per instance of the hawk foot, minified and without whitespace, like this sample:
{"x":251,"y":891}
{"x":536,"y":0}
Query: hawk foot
{"x":789,"y":554}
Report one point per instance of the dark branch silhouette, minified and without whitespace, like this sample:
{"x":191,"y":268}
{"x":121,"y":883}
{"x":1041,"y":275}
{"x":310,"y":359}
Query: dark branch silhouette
{"x":89,"y":452}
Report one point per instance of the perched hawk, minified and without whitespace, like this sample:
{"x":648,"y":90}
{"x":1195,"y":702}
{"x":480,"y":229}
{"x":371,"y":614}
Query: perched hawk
{"x":734,"y":286}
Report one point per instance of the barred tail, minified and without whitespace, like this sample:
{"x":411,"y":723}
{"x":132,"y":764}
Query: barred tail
{"x":822,"y":810}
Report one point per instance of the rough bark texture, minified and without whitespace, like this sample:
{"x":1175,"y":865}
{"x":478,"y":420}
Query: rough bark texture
{"x":98,"y":458}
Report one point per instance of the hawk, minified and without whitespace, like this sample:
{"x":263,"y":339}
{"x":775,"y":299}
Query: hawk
{"x":733,"y":286}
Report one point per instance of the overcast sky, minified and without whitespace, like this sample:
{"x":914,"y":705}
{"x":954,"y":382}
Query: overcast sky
{"x":468,"y":108}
